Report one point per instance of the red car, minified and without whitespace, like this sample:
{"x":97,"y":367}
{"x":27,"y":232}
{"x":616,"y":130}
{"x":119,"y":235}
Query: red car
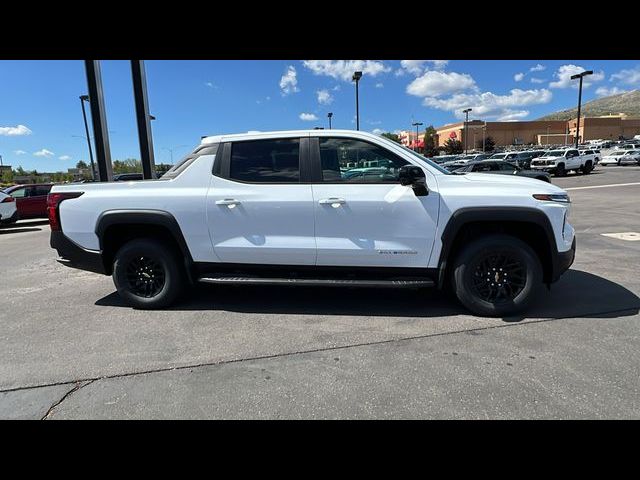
{"x":31,"y":200}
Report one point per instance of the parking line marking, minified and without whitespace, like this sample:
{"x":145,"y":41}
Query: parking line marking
{"x":603,"y":186}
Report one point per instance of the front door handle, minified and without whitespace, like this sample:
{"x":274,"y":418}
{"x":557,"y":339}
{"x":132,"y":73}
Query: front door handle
{"x":229,"y":202}
{"x":334,"y":202}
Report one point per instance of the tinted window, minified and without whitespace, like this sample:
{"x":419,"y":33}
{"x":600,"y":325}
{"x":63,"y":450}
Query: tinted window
{"x":40,"y":190}
{"x":506,"y":167}
{"x":266,"y":161}
{"x":355,"y":161}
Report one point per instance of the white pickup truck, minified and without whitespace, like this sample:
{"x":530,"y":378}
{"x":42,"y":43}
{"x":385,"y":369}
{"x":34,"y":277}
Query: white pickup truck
{"x":560,"y":162}
{"x":317,"y":207}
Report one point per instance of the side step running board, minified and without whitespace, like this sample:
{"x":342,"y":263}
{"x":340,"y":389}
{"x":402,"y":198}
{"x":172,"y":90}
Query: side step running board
{"x":318,"y":282}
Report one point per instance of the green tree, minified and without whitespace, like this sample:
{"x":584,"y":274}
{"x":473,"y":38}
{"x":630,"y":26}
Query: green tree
{"x":82,"y":164}
{"x":21,"y":171}
{"x":7,"y":176}
{"x":453,"y":146}
{"x":128,"y":165}
{"x":430,"y":147}
{"x":391,"y":136}
{"x":489,"y":144}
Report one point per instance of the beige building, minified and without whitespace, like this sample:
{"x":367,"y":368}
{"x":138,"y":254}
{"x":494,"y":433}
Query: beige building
{"x":539,"y":132}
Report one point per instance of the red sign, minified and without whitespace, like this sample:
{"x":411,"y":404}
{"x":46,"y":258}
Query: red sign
{"x":453,"y":135}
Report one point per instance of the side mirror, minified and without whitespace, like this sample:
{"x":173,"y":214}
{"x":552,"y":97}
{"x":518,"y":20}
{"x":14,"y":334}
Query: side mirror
{"x":413,"y":176}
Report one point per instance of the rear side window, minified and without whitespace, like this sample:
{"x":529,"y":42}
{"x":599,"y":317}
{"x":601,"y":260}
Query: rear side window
{"x":40,"y":190}
{"x":266,"y":161}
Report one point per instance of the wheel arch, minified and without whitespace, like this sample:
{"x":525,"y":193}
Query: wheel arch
{"x":116,"y":227}
{"x":529,"y":224}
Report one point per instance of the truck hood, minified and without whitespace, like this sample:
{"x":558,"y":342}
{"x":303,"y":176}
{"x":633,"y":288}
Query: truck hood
{"x":511,"y":182}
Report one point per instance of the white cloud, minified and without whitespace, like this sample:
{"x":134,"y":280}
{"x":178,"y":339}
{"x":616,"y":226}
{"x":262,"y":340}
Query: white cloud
{"x":308,"y":117}
{"x":629,"y":76}
{"x":343,"y":69}
{"x":508,"y":115}
{"x":417,"y":67}
{"x":538,"y":68}
{"x":564,"y":73}
{"x":15,"y":131}
{"x":518,"y":77}
{"x":537,"y":80}
{"x":65,"y":157}
{"x":324,"y":97}
{"x":490,"y":105}
{"x":434,"y":84}
{"x":44,"y":153}
{"x":289,"y":81}
{"x":377,"y":131}
{"x":606,"y":91}
{"x":19,"y":152}
{"x":212,"y":85}
{"x":379,"y":85}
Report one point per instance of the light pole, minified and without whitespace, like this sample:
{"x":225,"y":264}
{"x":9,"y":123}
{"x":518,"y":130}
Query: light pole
{"x":329,"y":115}
{"x":85,"y":98}
{"x":172,"y":149}
{"x":466,"y":112}
{"x":356,"y":78}
{"x":484,"y":135}
{"x":417,"y":124}
{"x":573,"y":77}
{"x":548,"y":134}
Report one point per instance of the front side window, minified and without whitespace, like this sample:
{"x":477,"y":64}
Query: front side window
{"x":266,"y":161}
{"x":346,"y":160}
{"x":19,"y":193}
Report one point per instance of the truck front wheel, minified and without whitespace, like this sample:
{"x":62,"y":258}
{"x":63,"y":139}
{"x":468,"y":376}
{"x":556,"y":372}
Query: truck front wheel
{"x":497,"y":275}
{"x":147,"y":274}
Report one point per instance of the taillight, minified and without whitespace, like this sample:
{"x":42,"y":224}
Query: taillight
{"x":9,"y":199}
{"x":53,"y":202}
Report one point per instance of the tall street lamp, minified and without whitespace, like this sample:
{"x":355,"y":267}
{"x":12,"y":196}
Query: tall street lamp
{"x":356,"y":78}
{"x":85,"y":98}
{"x":329,"y":115}
{"x":466,"y":112}
{"x":417,"y":124}
{"x":484,"y":135}
{"x":573,"y":77}
{"x":172,"y":149}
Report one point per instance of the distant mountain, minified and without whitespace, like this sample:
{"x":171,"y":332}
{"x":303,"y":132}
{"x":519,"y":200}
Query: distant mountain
{"x":628,"y":102}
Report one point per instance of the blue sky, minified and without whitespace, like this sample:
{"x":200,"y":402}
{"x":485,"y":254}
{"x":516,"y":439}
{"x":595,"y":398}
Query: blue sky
{"x":40,"y":111}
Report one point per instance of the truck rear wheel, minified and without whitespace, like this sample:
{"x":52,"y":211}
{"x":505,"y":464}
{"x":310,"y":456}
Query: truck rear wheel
{"x":586,"y":169}
{"x":147,"y":274}
{"x":497,"y":275}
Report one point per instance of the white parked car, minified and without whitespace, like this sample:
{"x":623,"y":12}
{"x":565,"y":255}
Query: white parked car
{"x":561,"y":161}
{"x":627,"y":146}
{"x":622,"y":157}
{"x":281,"y":208}
{"x":8,"y":210}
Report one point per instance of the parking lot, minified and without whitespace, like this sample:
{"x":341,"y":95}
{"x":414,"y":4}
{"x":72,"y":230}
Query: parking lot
{"x":71,"y":349}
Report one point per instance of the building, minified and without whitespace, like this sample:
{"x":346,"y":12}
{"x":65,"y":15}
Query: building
{"x":505,"y":133}
{"x":540,"y":132}
{"x":408,"y":138}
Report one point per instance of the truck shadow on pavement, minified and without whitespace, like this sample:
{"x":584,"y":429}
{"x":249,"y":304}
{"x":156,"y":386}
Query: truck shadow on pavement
{"x":23,"y":226}
{"x":576,"y":294}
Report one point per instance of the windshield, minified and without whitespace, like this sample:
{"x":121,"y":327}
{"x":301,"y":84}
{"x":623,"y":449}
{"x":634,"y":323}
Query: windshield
{"x":554,"y":153}
{"x":424,"y":159}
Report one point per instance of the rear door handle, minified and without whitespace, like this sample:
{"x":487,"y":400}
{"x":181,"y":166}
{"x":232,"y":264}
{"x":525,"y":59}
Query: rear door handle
{"x":230,"y":202}
{"x":334,"y":202}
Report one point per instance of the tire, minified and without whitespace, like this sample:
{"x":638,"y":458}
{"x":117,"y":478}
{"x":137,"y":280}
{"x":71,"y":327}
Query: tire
{"x":478,"y":258}
{"x":136,"y":271}
{"x":586,"y":169}
{"x":560,"y":171}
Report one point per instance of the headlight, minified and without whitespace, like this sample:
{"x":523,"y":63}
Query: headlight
{"x":553,"y":197}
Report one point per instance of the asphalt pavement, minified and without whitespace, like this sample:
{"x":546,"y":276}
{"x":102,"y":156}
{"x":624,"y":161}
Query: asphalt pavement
{"x":72,"y":349}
